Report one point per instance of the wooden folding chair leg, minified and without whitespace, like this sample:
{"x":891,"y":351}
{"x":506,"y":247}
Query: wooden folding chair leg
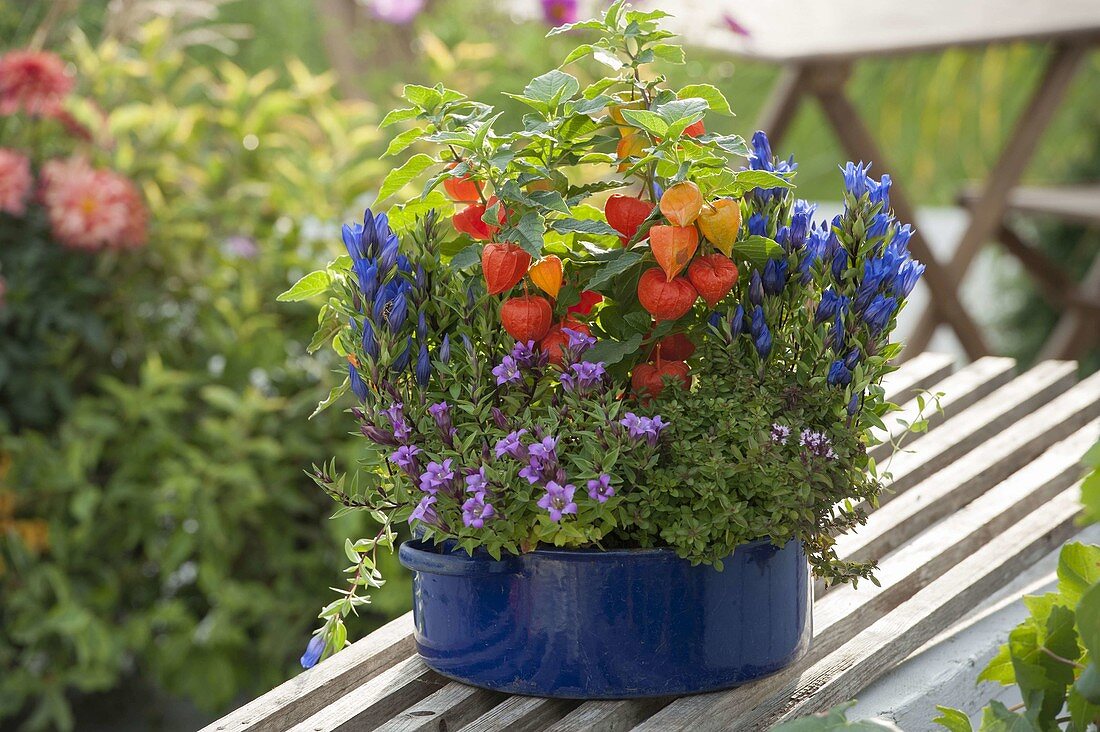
{"x":1055,"y":285}
{"x":856,"y":139}
{"x":1079,"y":326}
{"x":782,"y":106}
{"x":988,"y":210}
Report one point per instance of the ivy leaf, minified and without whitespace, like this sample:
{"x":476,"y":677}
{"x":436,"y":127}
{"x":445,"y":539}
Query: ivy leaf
{"x":953,"y":720}
{"x":1088,"y":627}
{"x":651,"y":122}
{"x":613,"y":269}
{"x":398,"y":178}
{"x":1078,"y":567}
{"x":313,"y":284}
{"x":715,"y":100}
{"x":611,"y":352}
{"x":999,"y":669}
{"x":757,"y":249}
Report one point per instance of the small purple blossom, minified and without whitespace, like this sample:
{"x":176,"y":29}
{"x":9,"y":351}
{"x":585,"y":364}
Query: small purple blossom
{"x":780,"y":433}
{"x":441,"y":414}
{"x":584,"y":376}
{"x":477,"y":482}
{"x":436,"y":476}
{"x":511,"y":446}
{"x":545,"y":451}
{"x":532,"y":472}
{"x":507,"y":372}
{"x":600,"y":488}
{"x":558,"y":500}
{"x":475,"y":511}
{"x":425,"y":511}
{"x":404,"y":458}
{"x":528,"y":355}
{"x":817,"y":444}
{"x":647,"y":428}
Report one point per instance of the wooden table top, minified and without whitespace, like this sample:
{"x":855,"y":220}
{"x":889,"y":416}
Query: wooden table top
{"x":988,"y":491}
{"x":816,"y":30}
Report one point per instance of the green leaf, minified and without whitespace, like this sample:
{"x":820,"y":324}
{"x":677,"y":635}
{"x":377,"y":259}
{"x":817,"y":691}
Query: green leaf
{"x":607,"y":58}
{"x":1078,"y":567}
{"x":582,"y":226}
{"x":747,"y":180}
{"x":1088,"y":684}
{"x":999,"y":669}
{"x":733,"y":144}
{"x":313,"y":284}
{"x":835,"y":719}
{"x":1084,"y":709}
{"x":668,"y":52}
{"x":529,"y":233}
{"x":997,"y":718}
{"x":578,"y":53}
{"x":757,"y":249}
{"x":1088,"y":620}
{"x":399,"y":115}
{"x":424,"y":97}
{"x":714,"y":98}
{"x":552,"y":87}
{"x":953,"y":720}
{"x":333,"y":396}
{"x":611,"y":352}
{"x":468,"y":257}
{"x":403,"y":140}
{"x":398,"y":178}
{"x":651,"y":122}
{"x":613,"y":268}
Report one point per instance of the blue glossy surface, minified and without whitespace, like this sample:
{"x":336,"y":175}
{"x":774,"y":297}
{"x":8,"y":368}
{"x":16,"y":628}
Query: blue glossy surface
{"x":591,"y":624}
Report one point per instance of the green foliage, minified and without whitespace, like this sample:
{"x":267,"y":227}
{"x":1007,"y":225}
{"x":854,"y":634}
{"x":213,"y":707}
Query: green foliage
{"x":160,"y":528}
{"x":835,"y":719}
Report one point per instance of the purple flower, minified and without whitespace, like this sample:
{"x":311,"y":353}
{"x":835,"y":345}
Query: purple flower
{"x":314,"y":649}
{"x":528,"y":355}
{"x":404,"y":457}
{"x":398,"y":12}
{"x":378,"y":435}
{"x":511,"y":446}
{"x":585,"y":375}
{"x":498,"y":418}
{"x":436,"y":476}
{"x":558,"y":500}
{"x":578,"y":342}
{"x":477,"y":482}
{"x":545,"y":451}
{"x":507,"y":371}
{"x":817,"y":444}
{"x":445,"y":349}
{"x":634,"y":424}
{"x":600,"y":489}
{"x":441,"y":414}
{"x":425,"y":511}
{"x":475,"y":511}
{"x":532,"y":471}
{"x":646,"y":428}
{"x":559,"y":12}
{"x":780,"y":433}
{"x":656,"y":427}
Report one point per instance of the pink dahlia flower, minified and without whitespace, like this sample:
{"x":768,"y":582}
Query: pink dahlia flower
{"x":92,"y":209}
{"x":33,"y":82}
{"x":15,"y":182}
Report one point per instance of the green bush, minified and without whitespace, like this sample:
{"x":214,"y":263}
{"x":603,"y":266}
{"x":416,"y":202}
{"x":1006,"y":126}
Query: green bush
{"x":163,"y":527}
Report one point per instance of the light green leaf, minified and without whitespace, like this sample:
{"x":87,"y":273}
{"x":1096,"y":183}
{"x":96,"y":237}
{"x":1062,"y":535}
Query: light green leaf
{"x":333,"y":396}
{"x":747,"y":180}
{"x":313,"y":284}
{"x":953,"y":720}
{"x":1088,"y":620}
{"x":1078,"y":567}
{"x":651,"y":122}
{"x":607,"y":58}
{"x":578,"y":53}
{"x":552,"y":87}
{"x":398,"y":178}
{"x":398,"y":115}
{"x":403,"y":140}
{"x":710,"y":94}
{"x":997,"y":718}
{"x":757,"y":249}
{"x":669,"y":53}
{"x":733,"y":144}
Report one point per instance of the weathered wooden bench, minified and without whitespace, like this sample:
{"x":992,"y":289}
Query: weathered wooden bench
{"x":988,"y":491}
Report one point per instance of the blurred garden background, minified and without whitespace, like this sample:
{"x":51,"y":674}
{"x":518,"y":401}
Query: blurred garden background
{"x":162,"y":553}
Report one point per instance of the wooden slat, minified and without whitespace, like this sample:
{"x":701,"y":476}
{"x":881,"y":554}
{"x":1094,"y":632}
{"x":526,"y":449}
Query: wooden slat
{"x":843,"y":613}
{"x":449,"y":708}
{"x":842,"y":673}
{"x":973,"y":426}
{"x":522,"y":714}
{"x":312,"y":690}
{"x":370,"y":705}
{"x":960,"y":390}
{"x":960,"y":483}
{"x":916,"y":375}
{"x":1080,"y":203}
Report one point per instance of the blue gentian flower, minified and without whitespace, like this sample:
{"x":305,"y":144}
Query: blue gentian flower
{"x":423,"y":367}
{"x":757,"y":225}
{"x":853,"y":403}
{"x":839,"y":374}
{"x":775,"y":276}
{"x":761,"y":157}
{"x":880,"y":224}
{"x":839,"y":260}
{"x":358,"y":386}
{"x":370,"y":340}
{"x":910,"y":271}
{"x":878,"y":313}
{"x":835,"y":337}
{"x":801,"y":218}
{"x":756,"y":289}
{"x":832,"y":303}
{"x":856,"y":180}
{"x":445,"y":349}
{"x":900,"y":240}
{"x":737,"y":321}
{"x":763,"y":342}
{"x":402,"y":362}
{"x":399,"y":311}
{"x":852,"y":359}
{"x":367,"y":275}
{"x":314,"y":650}
{"x":880,"y":192}
{"x":421,"y":327}
{"x":387,"y":260}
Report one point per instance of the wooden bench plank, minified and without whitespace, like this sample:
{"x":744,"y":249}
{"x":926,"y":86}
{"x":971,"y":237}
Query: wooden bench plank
{"x":1079,"y":203}
{"x":958,"y":484}
{"x":960,"y":390}
{"x":916,"y":375}
{"x":842,"y":614}
{"x":449,"y":708}
{"x":370,"y":705}
{"x":842,"y":673}
{"x":973,"y":426}
{"x":522,"y":714}
{"x":314,"y":689}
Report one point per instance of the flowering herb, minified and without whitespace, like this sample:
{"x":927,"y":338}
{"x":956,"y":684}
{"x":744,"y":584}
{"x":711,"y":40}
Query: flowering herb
{"x":697,"y":366}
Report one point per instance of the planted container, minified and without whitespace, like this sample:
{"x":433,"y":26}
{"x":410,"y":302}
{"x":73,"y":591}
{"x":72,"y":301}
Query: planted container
{"x":592,"y":624}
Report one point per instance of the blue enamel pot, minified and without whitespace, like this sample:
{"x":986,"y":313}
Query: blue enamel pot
{"x":588,"y":624}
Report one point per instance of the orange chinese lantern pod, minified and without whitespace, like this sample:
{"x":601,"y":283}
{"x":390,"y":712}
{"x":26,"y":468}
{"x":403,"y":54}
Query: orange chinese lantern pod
{"x":720,"y":223}
{"x":675,"y":347}
{"x":462,"y":189}
{"x":682,"y":203}
{"x":648,"y":380}
{"x":589,"y":299}
{"x":542,"y":184}
{"x":503,"y":265}
{"x":554,"y":343}
{"x":695,"y":129}
{"x":713,"y":276}
{"x":632,"y":144}
{"x":625,"y":214}
{"x":470,"y":221}
{"x":526,"y":318}
{"x":615,"y":111}
{"x":547,"y":275}
{"x":665,"y":299}
{"x":673,"y":247}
